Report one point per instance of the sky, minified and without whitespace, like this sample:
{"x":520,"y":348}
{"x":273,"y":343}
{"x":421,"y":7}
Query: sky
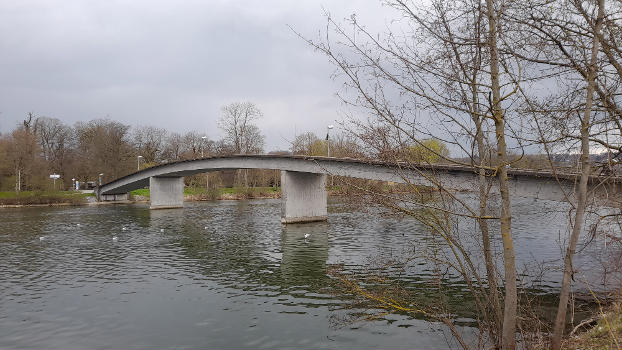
{"x":173,"y":64}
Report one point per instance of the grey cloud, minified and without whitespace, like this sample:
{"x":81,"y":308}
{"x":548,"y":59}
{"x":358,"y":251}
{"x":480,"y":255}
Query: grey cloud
{"x":169,"y":64}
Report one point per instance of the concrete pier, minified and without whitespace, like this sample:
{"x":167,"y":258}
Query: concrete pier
{"x":303,"y":196}
{"x":166,"y":192}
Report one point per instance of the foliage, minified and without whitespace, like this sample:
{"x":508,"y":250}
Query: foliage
{"x":428,"y":151}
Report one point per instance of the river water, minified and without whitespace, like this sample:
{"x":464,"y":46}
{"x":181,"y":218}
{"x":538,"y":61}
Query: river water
{"x":221,"y":274}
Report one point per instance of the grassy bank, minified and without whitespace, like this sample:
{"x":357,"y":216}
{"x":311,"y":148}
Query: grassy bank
{"x":190,"y":194}
{"x":42,"y":198}
{"x":195,"y":193}
{"x":603,"y":331}
{"x":233,"y":193}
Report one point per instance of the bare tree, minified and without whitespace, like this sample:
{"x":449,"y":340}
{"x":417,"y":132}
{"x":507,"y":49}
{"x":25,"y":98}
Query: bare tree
{"x":149,"y":142}
{"x":575,"y":43}
{"x":443,"y":78}
{"x":57,"y":143}
{"x":237,"y":123}
{"x":173,"y":148}
{"x":104,"y":146}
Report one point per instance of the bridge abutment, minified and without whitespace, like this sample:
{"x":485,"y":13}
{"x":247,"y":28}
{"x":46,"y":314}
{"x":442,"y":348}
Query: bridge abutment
{"x":166,"y":192}
{"x":303,"y":196}
{"x":116,"y":197}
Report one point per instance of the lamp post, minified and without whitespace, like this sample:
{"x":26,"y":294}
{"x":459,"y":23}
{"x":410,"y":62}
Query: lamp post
{"x":100,"y":178}
{"x":328,"y":138}
{"x":138,"y":159}
{"x":328,"y":128}
{"x":203,"y":138}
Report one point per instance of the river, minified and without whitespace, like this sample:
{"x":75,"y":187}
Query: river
{"x":222,"y":274}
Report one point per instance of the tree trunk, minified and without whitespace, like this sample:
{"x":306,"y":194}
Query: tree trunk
{"x":508,"y":337}
{"x":483,"y":225}
{"x":560,"y":319}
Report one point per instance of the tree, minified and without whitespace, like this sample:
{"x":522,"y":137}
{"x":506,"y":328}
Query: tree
{"x":429,"y":151}
{"x":25,"y":156}
{"x":173,"y":148}
{"x":237,"y":123}
{"x":577,"y":43}
{"x":57,"y":142}
{"x":303,"y":143}
{"x":149,"y":143}
{"x":440,"y":75}
{"x":104,"y":146}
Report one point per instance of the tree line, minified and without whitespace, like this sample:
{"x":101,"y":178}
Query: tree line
{"x":41,"y":146}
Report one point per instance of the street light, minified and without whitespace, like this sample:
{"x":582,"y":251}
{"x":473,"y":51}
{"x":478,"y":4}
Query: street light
{"x":328,"y":147}
{"x":328,"y":137}
{"x":203,"y":138}
{"x":138,"y":168}
{"x":100,"y":178}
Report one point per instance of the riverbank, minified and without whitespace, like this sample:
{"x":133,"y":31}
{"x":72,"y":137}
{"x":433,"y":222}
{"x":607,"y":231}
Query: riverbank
{"x":227,"y":193}
{"x":602,"y":331}
{"x":64,"y":198}
{"x":42,"y":198}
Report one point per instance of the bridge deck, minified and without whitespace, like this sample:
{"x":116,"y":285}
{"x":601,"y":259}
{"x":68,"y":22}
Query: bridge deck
{"x":457,"y":177}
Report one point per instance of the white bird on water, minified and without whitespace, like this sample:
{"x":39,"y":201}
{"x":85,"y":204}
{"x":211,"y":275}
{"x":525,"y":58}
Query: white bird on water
{"x":307,"y":235}
{"x":41,"y":238}
{"x":114,"y":238}
{"x":124,"y":228}
{"x":161,"y":230}
{"x":78,"y":225}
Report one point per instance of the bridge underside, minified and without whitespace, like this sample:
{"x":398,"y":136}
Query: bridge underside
{"x":303,"y":195}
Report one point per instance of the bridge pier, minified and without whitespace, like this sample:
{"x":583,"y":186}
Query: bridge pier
{"x":166,"y":192}
{"x":304,"y":197}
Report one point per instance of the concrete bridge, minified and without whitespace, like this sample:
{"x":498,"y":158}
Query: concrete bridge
{"x":303,"y":181}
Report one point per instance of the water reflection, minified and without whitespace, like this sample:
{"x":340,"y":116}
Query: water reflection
{"x":305,"y":253}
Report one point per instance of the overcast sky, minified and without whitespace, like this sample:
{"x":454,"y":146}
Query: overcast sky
{"x":171,"y":64}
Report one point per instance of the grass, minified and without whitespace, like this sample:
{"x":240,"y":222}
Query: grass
{"x":606,"y":334}
{"x":198,"y":191}
{"x":140,"y":192}
{"x":43,"y":197}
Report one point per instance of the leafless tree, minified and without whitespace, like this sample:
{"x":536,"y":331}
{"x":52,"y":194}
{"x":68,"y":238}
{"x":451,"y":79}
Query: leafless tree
{"x":104,"y":146}
{"x":575,"y":43}
{"x":173,"y":148}
{"x":57,"y":143}
{"x":237,"y":123}
{"x":149,"y":143}
{"x":440,"y":75}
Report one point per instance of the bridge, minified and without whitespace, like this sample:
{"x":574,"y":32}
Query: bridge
{"x":303,"y":181}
